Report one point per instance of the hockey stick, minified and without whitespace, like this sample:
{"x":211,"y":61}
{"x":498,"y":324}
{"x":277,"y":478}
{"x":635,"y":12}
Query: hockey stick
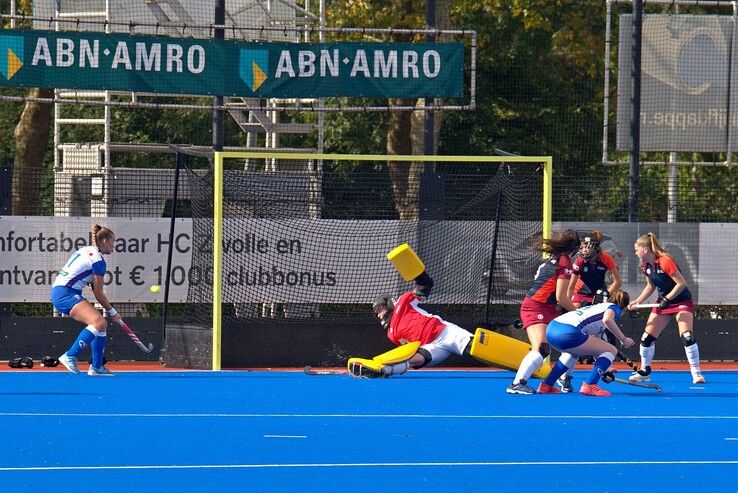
{"x":309,"y":370}
{"x":646,"y":305}
{"x":645,"y":385}
{"x":134,"y":337}
{"x":633,"y":365}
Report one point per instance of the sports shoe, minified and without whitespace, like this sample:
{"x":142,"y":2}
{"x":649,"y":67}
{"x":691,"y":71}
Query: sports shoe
{"x":70,"y":362}
{"x":99,"y":372}
{"x":521,"y":388}
{"x":697,"y":377}
{"x":593,"y":390}
{"x":564,"y":383}
{"x":636,"y":377}
{"x":544,"y":388}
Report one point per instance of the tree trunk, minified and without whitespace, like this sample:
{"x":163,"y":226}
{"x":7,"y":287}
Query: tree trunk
{"x":31,"y":144}
{"x":406,"y":136}
{"x":405,"y":175}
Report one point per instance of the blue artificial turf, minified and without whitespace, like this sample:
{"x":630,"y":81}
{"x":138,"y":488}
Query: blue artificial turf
{"x":434,"y":431}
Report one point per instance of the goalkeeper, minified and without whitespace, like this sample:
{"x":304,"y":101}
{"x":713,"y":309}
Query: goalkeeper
{"x":406,"y":322}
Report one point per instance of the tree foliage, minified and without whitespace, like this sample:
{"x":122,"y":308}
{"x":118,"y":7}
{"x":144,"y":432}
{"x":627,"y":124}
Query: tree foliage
{"x":540,"y":80}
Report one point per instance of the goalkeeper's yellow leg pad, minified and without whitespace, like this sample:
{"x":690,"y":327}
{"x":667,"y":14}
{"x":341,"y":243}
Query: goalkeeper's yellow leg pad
{"x":406,"y":261}
{"x":502,"y":351}
{"x":399,"y":354}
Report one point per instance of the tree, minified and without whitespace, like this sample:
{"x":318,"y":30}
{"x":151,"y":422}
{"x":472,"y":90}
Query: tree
{"x":31,"y":142}
{"x":405,"y":127}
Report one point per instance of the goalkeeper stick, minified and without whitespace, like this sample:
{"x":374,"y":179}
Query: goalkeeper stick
{"x":134,"y":337}
{"x":309,"y":370}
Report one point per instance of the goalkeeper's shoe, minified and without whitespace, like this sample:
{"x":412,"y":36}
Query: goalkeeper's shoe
{"x":365,"y":368}
{"x":99,"y":372}
{"x":69,"y":362}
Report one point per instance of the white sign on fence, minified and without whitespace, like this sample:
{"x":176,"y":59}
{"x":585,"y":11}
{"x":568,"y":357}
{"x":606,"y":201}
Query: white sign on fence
{"x":34,"y":248}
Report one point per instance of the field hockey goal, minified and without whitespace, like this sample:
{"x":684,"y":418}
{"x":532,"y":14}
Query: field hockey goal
{"x":297,"y":244}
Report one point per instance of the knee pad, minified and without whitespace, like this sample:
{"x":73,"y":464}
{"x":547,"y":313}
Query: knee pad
{"x":426,"y":356}
{"x":688,"y":339}
{"x":545,"y":350}
{"x":647,"y":339}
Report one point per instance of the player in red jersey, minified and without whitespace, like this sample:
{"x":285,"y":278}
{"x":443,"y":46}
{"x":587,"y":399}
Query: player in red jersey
{"x":663,"y":275}
{"x":405,"y":321}
{"x":550,"y":286}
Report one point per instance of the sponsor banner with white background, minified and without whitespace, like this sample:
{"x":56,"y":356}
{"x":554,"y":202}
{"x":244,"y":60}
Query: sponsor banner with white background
{"x":296,"y":261}
{"x":267,"y":261}
{"x":33,"y":250}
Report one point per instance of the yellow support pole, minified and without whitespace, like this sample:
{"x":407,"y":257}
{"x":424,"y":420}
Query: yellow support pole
{"x":547,"y":196}
{"x":217,"y":258}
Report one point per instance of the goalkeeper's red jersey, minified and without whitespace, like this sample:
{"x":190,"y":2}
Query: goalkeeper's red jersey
{"x":410,"y":323}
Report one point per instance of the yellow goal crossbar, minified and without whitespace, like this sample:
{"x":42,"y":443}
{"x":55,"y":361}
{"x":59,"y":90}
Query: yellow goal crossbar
{"x":220,"y":156}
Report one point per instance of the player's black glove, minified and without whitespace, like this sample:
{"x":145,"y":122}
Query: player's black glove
{"x":608,"y":377}
{"x":664,"y":302}
{"x":423,"y":285}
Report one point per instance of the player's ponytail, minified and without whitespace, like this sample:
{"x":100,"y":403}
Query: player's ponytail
{"x":565,"y":242}
{"x":620,"y":298}
{"x":100,"y":233}
{"x":649,"y":240}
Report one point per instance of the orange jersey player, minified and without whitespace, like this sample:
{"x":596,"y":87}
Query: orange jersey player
{"x":663,"y":275}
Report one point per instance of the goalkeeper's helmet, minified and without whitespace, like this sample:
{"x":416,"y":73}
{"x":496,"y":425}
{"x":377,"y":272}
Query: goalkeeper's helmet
{"x":386,"y":303}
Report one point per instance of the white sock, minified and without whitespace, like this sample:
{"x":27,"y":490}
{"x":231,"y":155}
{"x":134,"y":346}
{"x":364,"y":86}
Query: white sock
{"x":568,"y":361}
{"x":396,"y":369}
{"x":693,"y":356}
{"x":532,"y":361}
{"x":647,"y":355}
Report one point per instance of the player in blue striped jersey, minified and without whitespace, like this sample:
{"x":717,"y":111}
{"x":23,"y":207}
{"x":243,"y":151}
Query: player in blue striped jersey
{"x":86,"y":266}
{"x":577,"y":333}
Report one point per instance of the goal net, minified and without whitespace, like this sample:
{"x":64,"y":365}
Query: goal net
{"x":298,"y":242}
